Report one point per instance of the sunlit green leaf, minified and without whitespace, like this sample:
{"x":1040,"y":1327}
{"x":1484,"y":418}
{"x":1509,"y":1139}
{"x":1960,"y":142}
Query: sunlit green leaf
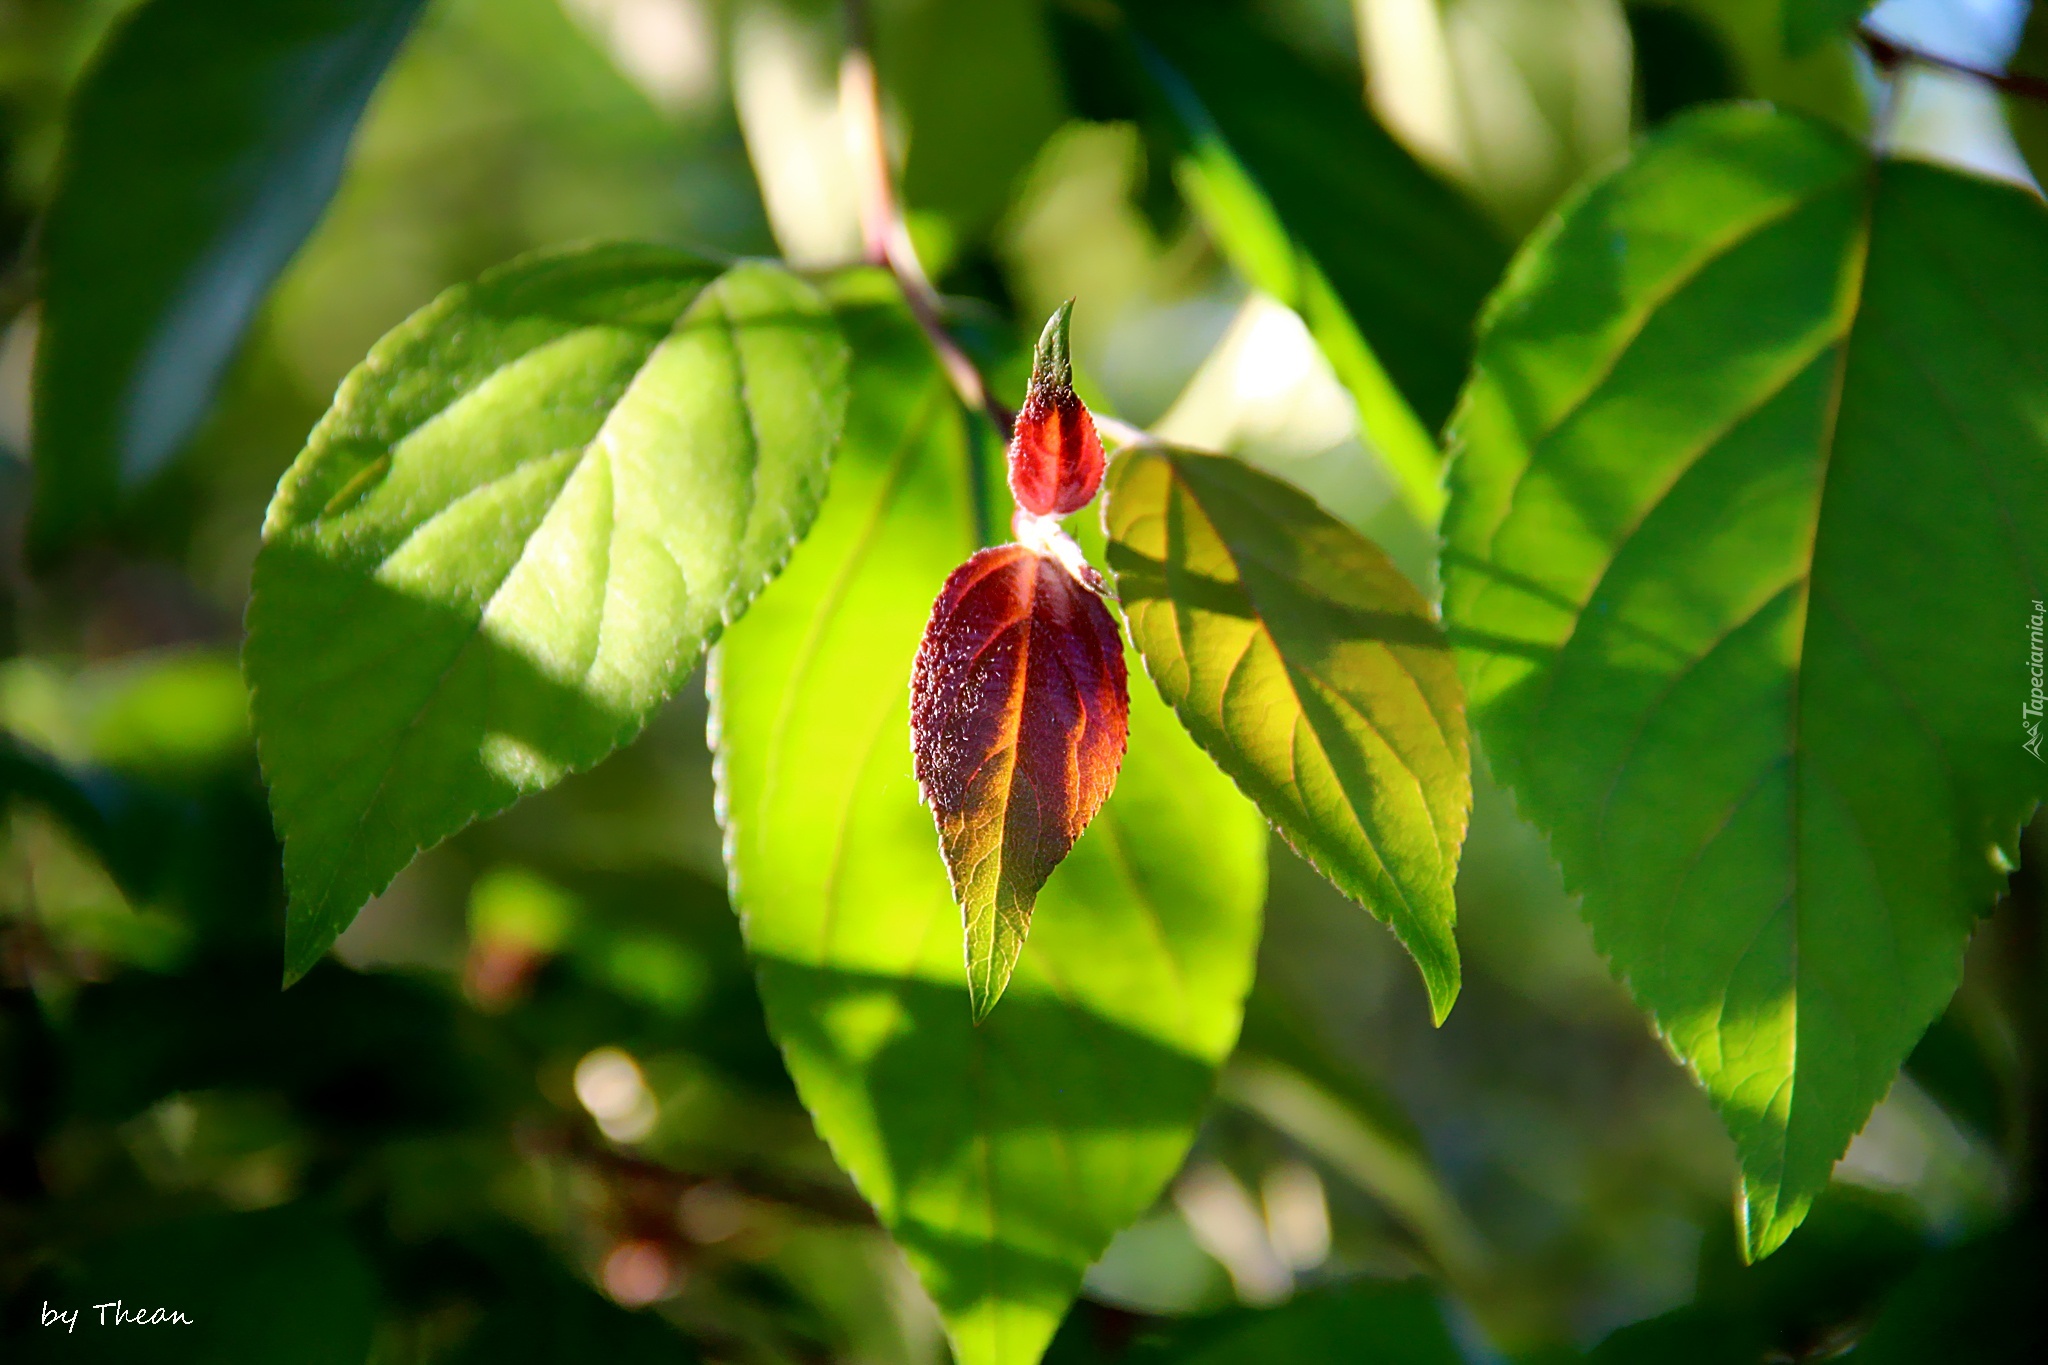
{"x":201,"y":150}
{"x":1745,"y":544}
{"x":510,"y":539}
{"x":1312,"y":671}
{"x":1001,"y":1157}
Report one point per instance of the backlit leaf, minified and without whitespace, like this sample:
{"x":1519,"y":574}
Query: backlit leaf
{"x":1312,"y":671}
{"x":1745,"y":543}
{"x":202,"y":148}
{"x":511,"y":538}
{"x":1003,"y":1156}
{"x":1019,"y":709}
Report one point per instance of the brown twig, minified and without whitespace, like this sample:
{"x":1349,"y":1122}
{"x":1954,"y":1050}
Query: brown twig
{"x":576,"y":1143}
{"x":885,"y":240}
{"x":1889,"y":54}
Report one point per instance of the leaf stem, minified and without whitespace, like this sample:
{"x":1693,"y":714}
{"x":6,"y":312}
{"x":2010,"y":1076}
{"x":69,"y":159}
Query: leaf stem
{"x":1888,"y":54}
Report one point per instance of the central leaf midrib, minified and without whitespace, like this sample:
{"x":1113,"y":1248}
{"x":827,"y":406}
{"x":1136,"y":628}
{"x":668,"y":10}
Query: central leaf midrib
{"x":1859,"y":248}
{"x":1738,"y":236}
{"x":475,"y":628}
{"x":1289,"y":672}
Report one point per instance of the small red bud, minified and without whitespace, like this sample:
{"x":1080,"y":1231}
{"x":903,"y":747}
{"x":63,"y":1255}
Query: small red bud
{"x":1055,"y":455}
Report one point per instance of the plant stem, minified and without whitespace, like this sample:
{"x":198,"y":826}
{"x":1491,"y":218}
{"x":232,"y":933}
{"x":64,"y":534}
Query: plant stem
{"x":1888,"y":54}
{"x":885,"y":240}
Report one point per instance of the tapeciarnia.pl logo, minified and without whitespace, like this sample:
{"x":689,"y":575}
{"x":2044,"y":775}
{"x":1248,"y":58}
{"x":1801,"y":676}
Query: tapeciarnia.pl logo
{"x":2030,"y":714}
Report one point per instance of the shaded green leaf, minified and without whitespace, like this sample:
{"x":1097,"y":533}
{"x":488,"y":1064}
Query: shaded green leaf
{"x":1313,"y":673}
{"x":202,"y":148}
{"x":1681,"y":60}
{"x":1824,"y":82}
{"x":1320,"y":206}
{"x":511,"y":538}
{"x":1744,"y":544}
{"x":1001,"y":1157}
{"x":2028,"y":117}
{"x":1810,"y":23}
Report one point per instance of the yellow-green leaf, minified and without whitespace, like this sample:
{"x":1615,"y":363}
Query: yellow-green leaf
{"x":1312,"y":671}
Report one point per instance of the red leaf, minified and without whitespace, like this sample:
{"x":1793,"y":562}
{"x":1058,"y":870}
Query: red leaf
{"x":1055,"y":455}
{"x":1019,"y":708}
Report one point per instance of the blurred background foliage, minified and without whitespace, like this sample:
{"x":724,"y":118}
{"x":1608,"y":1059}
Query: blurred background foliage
{"x":531,"y":1111}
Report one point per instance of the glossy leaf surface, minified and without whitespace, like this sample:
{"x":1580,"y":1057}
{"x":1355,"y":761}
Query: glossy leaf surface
{"x":1002,"y":1156}
{"x":1745,"y":542}
{"x":202,"y":148}
{"x":510,"y":539}
{"x":1312,"y":671}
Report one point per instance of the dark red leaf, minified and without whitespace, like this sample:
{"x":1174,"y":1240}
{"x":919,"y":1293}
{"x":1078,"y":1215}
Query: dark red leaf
{"x":1019,"y":709}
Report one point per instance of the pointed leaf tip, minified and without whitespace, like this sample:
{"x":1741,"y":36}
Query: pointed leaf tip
{"x":1019,"y":712}
{"x":1056,"y":457}
{"x":1313,"y":672}
{"x":1053,"y":364}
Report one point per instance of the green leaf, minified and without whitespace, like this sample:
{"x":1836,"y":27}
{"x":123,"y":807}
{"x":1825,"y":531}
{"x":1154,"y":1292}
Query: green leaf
{"x":2028,"y":116}
{"x":1001,"y":1157}
{"x":1824,"y":82}
{"x":1313,"y":673}
{"x":1319,"y":206}
{"x":511,"y":538}
{"x":1808,"y":24}
{"x":1681,"y":60}
{"x":1744,"y":548}
{"x":202,"y":148}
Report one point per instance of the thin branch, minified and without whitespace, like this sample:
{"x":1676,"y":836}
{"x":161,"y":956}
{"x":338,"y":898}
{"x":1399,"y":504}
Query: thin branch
{"x":885,"y":240}
{"x":1889,"y":54}
{"x":1118,"y":432}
